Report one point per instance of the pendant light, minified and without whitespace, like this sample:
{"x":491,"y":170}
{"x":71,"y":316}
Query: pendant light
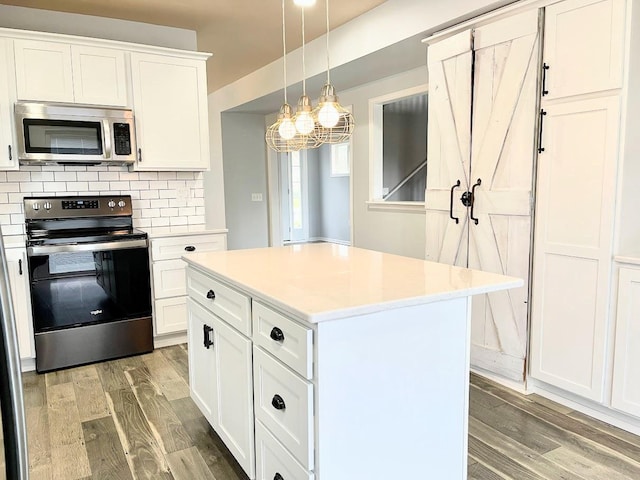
{"x":336,"y":122}
{"x":308,"y":132}
{"x":281,"y":135}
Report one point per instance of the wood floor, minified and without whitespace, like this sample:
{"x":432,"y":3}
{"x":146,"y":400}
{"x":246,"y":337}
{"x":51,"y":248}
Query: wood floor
{"x":133,"y":419}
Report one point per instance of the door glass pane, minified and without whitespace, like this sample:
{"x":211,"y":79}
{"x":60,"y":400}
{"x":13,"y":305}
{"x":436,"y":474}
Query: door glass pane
{"x":64,"y":137}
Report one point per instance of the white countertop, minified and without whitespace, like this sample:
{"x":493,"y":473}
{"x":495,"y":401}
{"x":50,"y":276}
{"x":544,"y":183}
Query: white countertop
{"x":178,"y":231}
{"x":318,"y":282}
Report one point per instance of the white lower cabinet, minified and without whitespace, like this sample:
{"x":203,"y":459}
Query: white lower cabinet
{"x":169,"y":278}
{"x":19,"y":283}
{"x":626,"y":366}
{"x":273,"y":461}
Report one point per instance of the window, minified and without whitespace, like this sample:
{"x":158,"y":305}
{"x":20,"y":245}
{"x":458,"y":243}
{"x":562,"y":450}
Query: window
{"x":399,"y":146}
{"x":340,"y":160}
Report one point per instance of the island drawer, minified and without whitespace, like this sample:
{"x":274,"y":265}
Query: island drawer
{"x":284,"y":404}
{"x":284,"y":338}
{"x":171,"y":248}
{"x":273,"y":459}
{"x":230,"y":305}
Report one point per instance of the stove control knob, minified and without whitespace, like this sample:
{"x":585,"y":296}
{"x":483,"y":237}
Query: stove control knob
{"x":47,"y":205}
{"x":111,"y":204}
{"x":121,"y":204}
{"x":36,"y":206}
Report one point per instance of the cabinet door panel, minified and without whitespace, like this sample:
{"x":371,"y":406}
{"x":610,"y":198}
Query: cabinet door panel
{"x":170,"y":100}
{"x":502,"y":157}
{"x":626,"y":366}
{"x":99,"y":76}
{"x":201,"y":361}
{"x":169,"y":279}
{"x":573,"y":244}
{"x":21,"y":297}
{"x":8,"y":157}
{"x":43,"y":71}
{"x":598,"y":27}
{"x":170,"y":315}
{"x":448,"y":141}
{"x":234,"y":417}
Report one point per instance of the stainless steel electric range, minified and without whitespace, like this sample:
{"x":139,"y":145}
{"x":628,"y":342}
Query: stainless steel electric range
{"x":90,"y":282}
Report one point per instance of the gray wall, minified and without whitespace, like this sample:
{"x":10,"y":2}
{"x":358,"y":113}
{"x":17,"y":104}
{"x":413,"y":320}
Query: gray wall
{"x":315,"y":194}
{"x":97,"y":27}
{"x":245,"y":172}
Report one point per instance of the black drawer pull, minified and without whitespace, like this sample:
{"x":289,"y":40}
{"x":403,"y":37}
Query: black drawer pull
{"x":278,"y":402}
{"x":277,"y":476}
{"x":190,"y":248}
{"x":20,"y":266}
{"x":206,"y":329}
{"x":277,"y":335}
{"x":211,"y":295}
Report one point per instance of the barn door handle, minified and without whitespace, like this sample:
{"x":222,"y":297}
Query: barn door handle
{"x":451,"y":203}
{"x":473,"y":200}
{"x":206,"y":330}
{"x":540,"y":147}
{"x":545,"y":68}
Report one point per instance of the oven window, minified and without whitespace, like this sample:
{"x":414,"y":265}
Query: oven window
{"x":62,"y":137}
{"x":83,"y":288}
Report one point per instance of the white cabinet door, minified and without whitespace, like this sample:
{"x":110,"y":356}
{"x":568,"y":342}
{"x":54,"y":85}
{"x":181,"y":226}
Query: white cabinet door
{"x":43,"y":71}
{"x":598,"y":28}
{"x":170,"y":315}
{"x":502,"y":157}
{"x":169,"y":278}
{"x":233,"y":415}
{"x":19,"y":282}
{"x":573,"y":244}
{"x":448,"y":148}
{"x":170,"y":101}
{"x":626,"y":366}
{"x":99,"y":76}
{"x":201,"y":360}
{"x":8,"y":159}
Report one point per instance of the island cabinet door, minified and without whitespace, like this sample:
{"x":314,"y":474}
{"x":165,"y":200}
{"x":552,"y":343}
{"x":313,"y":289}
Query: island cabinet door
{"x":201,"y":359}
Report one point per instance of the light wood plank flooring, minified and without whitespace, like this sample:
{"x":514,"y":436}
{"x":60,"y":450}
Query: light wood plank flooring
{"x":133,"y":419}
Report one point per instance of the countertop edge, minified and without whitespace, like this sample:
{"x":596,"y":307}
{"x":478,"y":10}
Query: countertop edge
{"x":159,"y":232}
{"x":315,"y":318}
{"x":632,"y":259}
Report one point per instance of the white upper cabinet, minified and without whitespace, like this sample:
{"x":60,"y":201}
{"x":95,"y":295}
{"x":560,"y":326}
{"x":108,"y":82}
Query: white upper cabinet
{"x":59,"y":72}
{"x":8,"y":160}
{"x":597,"y":27}
{"x":43,"y":71}
{"x":99,"y":76}
{"x":170,"y":102}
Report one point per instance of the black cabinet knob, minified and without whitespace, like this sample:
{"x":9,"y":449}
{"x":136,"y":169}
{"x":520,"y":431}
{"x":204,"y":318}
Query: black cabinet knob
{"x":211,"y":295}
{"x":278,"y":402}
{"x":190,"y":248}
{"x":277,"y":476}
{"x":277,"y":335}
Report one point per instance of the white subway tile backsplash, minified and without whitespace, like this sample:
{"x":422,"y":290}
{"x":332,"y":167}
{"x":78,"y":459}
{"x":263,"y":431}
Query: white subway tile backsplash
{"x":87,"y":176}
{"x":65,"y":176}
{"x":154,"y":194}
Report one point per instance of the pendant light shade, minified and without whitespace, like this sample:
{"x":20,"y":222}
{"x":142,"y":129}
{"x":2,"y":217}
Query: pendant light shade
{"x":281,"y":136}
{"x":335,"y":122}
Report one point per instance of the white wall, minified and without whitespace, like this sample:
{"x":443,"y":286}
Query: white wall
{"x":245,"y":173}
{"x":97,"y":27}
{"x":333,"y":201}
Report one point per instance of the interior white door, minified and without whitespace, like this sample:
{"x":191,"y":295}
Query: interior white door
{"x":448,"y":148}
{"x":573,"y":244}
{"x":506,"y":65}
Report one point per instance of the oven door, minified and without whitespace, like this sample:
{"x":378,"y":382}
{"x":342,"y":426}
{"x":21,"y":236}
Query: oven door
{"x":88,"y":284}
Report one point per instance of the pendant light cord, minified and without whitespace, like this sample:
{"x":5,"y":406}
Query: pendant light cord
{"x":328,"y":64}
{"x":304,"y":72}
{"x":284,"y":53}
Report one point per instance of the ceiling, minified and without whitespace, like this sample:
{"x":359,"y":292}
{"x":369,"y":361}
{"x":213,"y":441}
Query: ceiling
{"x":243,"y":35}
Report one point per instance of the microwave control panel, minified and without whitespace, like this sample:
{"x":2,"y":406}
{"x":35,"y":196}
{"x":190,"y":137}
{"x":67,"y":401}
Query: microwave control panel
{"x":122,"y":138}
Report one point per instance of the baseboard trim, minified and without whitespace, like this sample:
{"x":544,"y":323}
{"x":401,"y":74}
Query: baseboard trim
{"x":519,"y":387}
{"x":330,"y":240}
{"x":169,"y":340}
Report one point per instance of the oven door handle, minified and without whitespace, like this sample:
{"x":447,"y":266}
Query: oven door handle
{"x":85,"y":247}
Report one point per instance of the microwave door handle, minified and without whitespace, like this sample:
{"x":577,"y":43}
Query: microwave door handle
{"x":106,"y":130}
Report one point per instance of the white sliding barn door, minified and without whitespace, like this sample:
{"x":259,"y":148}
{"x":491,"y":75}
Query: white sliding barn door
{"x":506,"y":64}
{"x":448,"y":148}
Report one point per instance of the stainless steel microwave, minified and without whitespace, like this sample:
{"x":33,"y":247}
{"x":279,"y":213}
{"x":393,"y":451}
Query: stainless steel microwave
{"x":56,"y":133}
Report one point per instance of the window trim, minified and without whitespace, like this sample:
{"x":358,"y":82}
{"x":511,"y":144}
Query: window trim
{"x":376,"y":150}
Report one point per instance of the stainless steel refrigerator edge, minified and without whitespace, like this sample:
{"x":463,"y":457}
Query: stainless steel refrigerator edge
{"x":11,"y":398}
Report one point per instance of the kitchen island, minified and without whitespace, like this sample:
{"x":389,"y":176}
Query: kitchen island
{"x":329,"y":362}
